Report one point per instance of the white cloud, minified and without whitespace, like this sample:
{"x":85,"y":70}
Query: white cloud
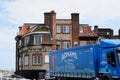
{"x":32,"y":10}
{"x":7,"y":48}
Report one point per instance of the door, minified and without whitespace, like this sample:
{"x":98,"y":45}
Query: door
{"x":108,"y":63}
{"x":112,"y":66}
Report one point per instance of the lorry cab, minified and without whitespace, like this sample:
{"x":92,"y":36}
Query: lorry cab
{"x":109,"y":60}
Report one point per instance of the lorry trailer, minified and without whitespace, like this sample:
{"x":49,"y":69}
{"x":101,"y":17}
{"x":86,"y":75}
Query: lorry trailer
{"x":94,"y":61}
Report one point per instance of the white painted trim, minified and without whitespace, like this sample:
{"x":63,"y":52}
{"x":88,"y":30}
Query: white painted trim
{"x":37,"y":33}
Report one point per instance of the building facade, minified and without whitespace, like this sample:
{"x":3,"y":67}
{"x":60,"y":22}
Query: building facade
{"x":106,"y":33}
{"x":35,"y":41}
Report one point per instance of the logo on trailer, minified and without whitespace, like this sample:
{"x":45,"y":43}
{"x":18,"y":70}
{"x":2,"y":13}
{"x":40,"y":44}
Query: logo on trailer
{"x":69,"y":54}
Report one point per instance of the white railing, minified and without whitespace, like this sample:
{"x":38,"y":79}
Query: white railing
{"x":8,"y":78}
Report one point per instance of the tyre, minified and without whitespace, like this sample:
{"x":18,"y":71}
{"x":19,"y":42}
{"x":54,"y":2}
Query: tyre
{"x":106,"y":78}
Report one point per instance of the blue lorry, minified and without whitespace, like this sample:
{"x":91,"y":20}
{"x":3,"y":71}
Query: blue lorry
{"x":94,"y":61}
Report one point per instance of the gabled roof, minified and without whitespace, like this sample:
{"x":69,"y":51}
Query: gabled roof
{"x":86,"y":31}
{"x":26,"y":28}
{"x":41,"y":28}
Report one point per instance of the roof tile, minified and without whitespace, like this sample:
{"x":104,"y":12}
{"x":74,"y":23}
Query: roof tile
{"x":86,"y":31}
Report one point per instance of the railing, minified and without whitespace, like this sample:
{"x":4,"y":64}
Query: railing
{"x":8,"y":78}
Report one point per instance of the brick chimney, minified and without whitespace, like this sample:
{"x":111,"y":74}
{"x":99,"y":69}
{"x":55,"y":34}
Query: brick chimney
{"x":75,"y":28}
{"x":96,"y":30}
{"x":50,"y":21}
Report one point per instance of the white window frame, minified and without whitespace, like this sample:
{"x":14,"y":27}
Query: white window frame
{"x":37,"y":59}
{"x":20,"y":61}
{"x":80,"y":29}
{"x":46,"y":58}
{"x":26,"y":40}
{"x":66,"y":45}
{"x":37,"y":39}
{"x":26,"y":60}
{"x":66,"y":29}
{"x":58,"y":29}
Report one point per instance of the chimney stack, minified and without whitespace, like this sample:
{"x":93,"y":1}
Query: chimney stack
{"x":50,"y":21}
{"x":96,"y":30}
{"x":75,"y":28}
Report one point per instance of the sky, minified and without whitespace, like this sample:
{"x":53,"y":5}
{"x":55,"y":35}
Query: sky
{"x":14,"y":13}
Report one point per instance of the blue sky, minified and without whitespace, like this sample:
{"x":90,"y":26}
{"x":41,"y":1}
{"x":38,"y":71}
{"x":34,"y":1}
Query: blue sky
{"x":13,"y":13}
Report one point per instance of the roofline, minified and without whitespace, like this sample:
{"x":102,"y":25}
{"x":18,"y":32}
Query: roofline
{"x":44,"y":32}
{"x":33,"y":23}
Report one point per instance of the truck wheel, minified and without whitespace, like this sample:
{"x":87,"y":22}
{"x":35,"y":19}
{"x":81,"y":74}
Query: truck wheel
{"x":106,"y":78}
{"x":58,"y":78}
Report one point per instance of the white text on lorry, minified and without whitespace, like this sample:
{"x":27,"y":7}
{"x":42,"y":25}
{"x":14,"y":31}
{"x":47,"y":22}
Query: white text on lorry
{"x":69,"y":54}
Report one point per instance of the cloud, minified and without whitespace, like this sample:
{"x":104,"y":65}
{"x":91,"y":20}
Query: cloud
{"x":32,"y":10}
{"x":22,"y":9}
{"x":7,"y":48}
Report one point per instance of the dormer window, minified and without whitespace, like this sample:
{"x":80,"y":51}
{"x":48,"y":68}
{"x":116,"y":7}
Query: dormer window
{"x":20,"y":43}
{"x":26,"y":41}
{"x":81,"y":29}
{"x":37,"y":40}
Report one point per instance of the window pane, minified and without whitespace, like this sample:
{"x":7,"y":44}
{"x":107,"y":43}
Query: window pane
{"x":37,"y":59}
{"x":58,"y":29}
{"x":66,"y":45}
{"x":26,"y":60}
{"x":81,"y":29}
{"x":37,"y":40}
{"x":111,"y":58}
{"x":26,"y":40}
{"x":19,"y":61}
{"x":46,"y":58}
{"x":66,"y":29}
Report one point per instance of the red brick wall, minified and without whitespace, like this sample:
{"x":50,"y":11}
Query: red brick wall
{"x":75,"y":28}
{"x":50,"y":20}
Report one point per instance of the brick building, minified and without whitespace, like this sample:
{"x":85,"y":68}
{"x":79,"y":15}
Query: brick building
{"x":35,"y":41}
{"x":106,"y":33}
